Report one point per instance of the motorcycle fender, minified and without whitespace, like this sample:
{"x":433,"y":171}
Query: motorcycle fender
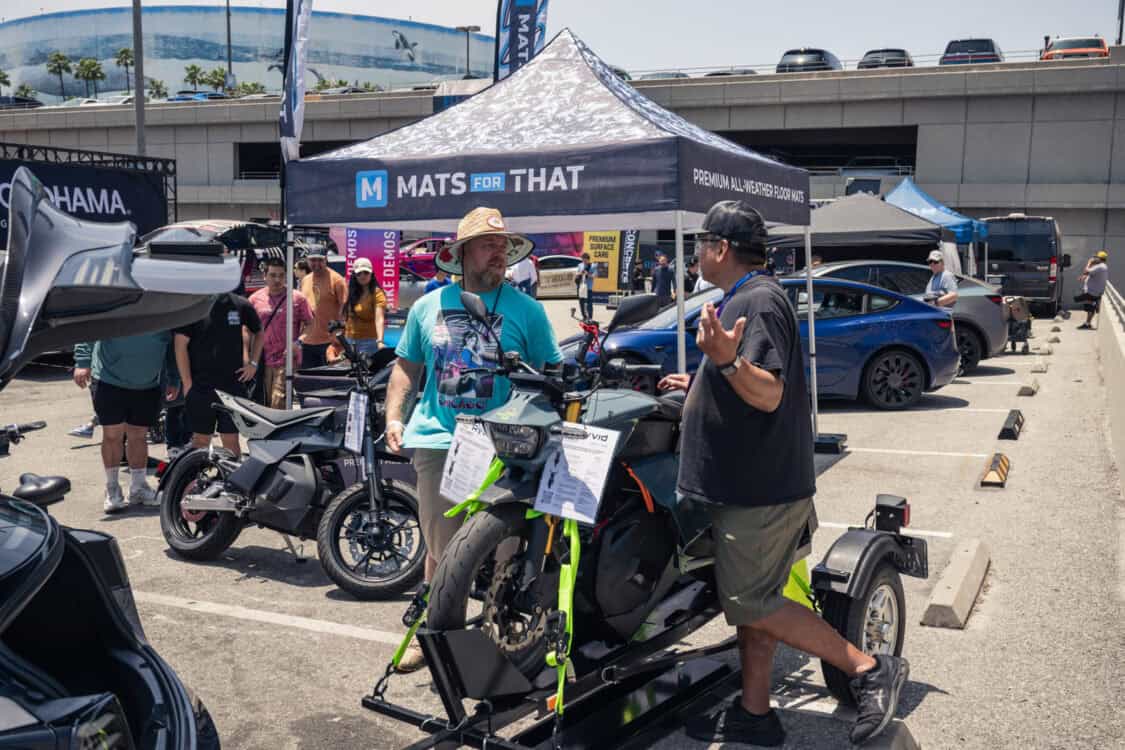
{"x":853,"y":558}
{"x":508,"y":490}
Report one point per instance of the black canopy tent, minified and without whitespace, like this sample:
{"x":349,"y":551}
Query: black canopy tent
{"x":864,"y":224}
{"x":561,"y":145}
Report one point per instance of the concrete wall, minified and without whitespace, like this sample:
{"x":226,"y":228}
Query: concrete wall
{"x":1111,"y":350}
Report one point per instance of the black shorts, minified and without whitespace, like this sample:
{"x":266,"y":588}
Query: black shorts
{"x":201,"y":417}
{"x":1093,"y":302}
{"x":115,"y":405}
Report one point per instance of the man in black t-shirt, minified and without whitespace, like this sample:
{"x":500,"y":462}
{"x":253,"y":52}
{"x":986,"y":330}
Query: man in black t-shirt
{"x":747,"y":457}
{"x":217,"y":354}
{"x":663,"y":280}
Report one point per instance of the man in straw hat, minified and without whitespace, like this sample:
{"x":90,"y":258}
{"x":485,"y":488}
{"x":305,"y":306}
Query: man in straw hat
{"x":441,"y":338}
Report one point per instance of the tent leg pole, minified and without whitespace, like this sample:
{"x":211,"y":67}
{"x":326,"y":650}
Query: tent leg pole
{"x":826,"y":443}
{"x":289,"y":316}
{"x":681,"y":344}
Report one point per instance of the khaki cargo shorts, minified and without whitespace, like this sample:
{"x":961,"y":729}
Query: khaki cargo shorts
{"x":437,"y":530}
{"x":754,"y":550}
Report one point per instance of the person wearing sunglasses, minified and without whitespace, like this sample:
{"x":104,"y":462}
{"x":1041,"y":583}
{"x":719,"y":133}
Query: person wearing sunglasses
{"x":942,"y":288}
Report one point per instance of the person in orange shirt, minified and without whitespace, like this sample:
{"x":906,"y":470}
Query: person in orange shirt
{"x":366,"y":309}
{"x":328,"y":293}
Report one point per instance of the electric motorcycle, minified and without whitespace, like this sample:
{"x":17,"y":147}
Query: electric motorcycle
{"x":644,"y":546}
{"x":76,"y":670}
{"x":297,"y":480}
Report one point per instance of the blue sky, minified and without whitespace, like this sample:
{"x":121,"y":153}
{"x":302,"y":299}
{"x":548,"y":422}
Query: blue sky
{"x":716,"y":33}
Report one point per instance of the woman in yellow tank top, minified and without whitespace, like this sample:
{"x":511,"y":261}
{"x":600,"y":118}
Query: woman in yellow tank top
{"x":366,"y":309}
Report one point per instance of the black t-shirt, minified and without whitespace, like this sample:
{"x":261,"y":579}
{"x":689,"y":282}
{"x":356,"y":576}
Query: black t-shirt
{"x":215,"y":342}
{"x":730,"y":452}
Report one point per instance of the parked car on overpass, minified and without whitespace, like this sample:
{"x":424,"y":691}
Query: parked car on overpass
{"x":731,"y":72}
{"x":871,"y":343}
{"x":663,"y":75}
{"x":971,"y":52}
{"x":1069,"y":48}
{"x":978,"y":315}
{"x":891,"y":57}
{"x":808,"y":59}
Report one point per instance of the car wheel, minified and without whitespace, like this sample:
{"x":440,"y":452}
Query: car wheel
{"x":893,"y":380}
{"x":971,"y":348}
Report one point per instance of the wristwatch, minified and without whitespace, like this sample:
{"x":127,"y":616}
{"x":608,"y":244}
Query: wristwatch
{"x":731,"y":368}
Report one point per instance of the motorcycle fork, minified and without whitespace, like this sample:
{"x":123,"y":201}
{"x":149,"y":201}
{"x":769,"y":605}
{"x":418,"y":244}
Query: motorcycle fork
{"x":374,"y":471}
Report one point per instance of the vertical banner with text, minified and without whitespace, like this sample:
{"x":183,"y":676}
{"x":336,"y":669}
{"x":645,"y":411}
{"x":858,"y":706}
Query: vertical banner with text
{"x":604,"y":249}
{"x":380,"y":246}
{"x":521,"y":31}
{"x":628,"y":258}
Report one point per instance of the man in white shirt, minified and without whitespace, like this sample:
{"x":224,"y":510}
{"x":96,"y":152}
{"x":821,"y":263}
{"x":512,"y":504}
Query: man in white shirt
{"x":526,"y":277}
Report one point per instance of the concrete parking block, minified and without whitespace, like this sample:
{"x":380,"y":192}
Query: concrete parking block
{"x":1039,"y":366}
{"x":1056,"y":329}
{"x":1045,"y":350}
{"x":956,"y":591}
{"x":1054,"y":340}
{"x":1029,"y":388}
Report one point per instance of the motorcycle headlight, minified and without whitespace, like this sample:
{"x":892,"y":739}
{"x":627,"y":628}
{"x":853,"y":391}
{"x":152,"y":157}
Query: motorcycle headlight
{"x":514,"y":440}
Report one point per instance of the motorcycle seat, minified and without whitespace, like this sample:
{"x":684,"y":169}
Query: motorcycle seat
{"x":42,"y":491}
{"x":282,"y":417}
{"x":672,"y":404}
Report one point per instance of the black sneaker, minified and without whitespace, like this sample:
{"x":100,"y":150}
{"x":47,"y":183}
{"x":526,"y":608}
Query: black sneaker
{"x":1085,"y":327}
{"x":735,"y":724}
{"x":876,"y":694}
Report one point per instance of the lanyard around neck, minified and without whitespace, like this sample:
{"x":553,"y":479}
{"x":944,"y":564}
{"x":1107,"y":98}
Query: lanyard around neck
{"x":727,"y":297}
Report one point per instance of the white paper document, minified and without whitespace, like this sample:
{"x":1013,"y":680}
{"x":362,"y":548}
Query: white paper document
{"x":357,"y":422}
{"x":466,"y":465}
{"x":574,"y":477}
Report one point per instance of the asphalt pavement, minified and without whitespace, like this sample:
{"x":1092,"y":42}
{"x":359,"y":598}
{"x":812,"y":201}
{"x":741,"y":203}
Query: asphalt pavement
{"x":282,"y":658}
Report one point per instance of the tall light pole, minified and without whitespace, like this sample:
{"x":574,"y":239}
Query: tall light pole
{"x":471,"y":30}
{"x":1120,"y":19}
{"x":138,"y":79}
{"x":230,"y":65}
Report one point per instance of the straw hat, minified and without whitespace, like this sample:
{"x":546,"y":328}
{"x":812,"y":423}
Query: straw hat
{"x":482,"y":222}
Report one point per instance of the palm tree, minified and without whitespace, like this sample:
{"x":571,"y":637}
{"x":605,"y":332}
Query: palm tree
{"x":157,"y":89}
{"x":124,"y":59}
{"x":90,"y":71}
{"x":194,"y":75}
{"x":57,"y":64}
{"x":246,"y":88}
{"x":216,"y":79}
{"x":4,"y":80}
{"x":25,"y":91}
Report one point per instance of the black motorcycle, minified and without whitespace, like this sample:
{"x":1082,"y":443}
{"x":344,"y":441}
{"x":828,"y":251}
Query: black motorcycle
{"x":76,"y":670}
{"x":295,"y":480}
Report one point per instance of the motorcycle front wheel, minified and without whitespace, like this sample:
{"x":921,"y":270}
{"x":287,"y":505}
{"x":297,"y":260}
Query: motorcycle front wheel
{"x":873,"y":622}
{"x":370,"y":554}
{"x":202,"y":535}
{"x":516,"y":626}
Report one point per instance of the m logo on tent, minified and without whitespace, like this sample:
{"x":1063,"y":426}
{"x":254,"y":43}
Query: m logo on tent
{"x":371,"y":188}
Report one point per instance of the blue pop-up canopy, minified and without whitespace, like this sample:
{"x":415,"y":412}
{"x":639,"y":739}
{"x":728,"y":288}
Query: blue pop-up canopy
{"x":909,"y":197}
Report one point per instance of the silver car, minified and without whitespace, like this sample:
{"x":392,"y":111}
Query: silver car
{"x":978,"y":314}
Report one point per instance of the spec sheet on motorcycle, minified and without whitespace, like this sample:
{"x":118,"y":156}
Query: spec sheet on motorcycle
{"x":574,"y":478}
{"x":466,"y":464}
{"x":357,"y":421}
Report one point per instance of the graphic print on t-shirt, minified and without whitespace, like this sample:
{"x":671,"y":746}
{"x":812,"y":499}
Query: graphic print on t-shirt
{"x":461,"y":343}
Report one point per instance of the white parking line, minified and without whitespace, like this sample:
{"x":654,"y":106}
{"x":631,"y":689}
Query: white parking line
{"x":271,"y":618}
{"x":986,"y":382}
{"x":897,"y":452}
{"x":910,"y":531}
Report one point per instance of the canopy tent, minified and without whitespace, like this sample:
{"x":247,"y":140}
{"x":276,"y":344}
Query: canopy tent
{"x":860,"y":219}
{"x":563,"y":144}
{"x":909,"y":197}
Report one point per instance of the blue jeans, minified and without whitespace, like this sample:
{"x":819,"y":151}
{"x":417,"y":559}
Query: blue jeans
{"x":364,"y":346}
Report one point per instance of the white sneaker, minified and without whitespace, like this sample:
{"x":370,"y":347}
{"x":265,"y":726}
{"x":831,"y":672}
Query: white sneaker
{"x":115,"y":502}
{"x":143,"y":495}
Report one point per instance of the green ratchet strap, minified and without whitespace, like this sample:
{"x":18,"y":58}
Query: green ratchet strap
{"x":472,"y":503}
{"x":397,"y":658}
{"x":568,"y":576}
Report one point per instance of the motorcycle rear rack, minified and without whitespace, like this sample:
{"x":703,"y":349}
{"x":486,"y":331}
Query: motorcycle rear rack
{"x":620,"y":692}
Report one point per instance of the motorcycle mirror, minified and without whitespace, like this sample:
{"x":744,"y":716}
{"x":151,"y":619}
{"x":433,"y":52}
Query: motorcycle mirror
{"x":635,"y":308}
{"x":474,"y":305}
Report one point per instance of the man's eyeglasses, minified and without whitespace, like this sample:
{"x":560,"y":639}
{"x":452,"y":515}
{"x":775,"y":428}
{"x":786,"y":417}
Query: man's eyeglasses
{"x":705,"y":239}
{"x":933,"y":262}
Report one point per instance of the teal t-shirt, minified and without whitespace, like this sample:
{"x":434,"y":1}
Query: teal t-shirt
{"x":442,"y":336}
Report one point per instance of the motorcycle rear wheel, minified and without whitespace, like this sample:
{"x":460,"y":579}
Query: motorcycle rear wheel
{"x":212,"y":533}
{"x":347,"y":522}
{"x":874,"y":622}
{"x":470,"y":550}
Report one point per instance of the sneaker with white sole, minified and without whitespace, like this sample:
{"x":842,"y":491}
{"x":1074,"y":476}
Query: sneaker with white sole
{"x":115,"y":502}
{"x":83,"y":431}
{"x":143,"y":495}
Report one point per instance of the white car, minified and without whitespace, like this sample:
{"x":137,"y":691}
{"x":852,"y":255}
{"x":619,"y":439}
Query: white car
{"x":556,"y":276}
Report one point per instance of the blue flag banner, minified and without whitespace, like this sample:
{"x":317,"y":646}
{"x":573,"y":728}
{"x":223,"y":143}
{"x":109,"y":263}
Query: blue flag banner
{"x":291,"y":120}
{"x":521,"y":31}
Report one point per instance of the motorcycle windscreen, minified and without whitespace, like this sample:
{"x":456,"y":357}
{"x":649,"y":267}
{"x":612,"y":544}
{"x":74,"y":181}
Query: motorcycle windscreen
{"x":64,"y":281}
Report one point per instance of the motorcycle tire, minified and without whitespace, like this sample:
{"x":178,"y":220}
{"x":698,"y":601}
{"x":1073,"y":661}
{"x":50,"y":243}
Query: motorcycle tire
{"x":456,"y":576}
{"x":222,"y":530}
{"x":851,"y":618}
{"x":332,"y":530}
{"x":206,"y":734}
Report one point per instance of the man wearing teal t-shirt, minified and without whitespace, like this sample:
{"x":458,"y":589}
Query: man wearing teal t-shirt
{"x":441,"y":338}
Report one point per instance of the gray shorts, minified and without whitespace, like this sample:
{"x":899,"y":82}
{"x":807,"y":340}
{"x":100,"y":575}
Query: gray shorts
{"x":437,"y":530}
{"x":754,"y":549}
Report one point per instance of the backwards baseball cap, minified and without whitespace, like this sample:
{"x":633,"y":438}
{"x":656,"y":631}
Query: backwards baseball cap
{"x":735,"y":220}
{"x":935,"y":255}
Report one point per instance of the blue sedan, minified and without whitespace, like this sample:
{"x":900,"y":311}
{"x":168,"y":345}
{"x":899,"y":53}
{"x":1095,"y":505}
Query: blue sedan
{"x":871,"y":342}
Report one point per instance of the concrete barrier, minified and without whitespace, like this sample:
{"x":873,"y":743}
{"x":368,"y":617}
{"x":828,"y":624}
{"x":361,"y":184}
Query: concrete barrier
{"x":956,"y":591}
{"x":1111,"y":352}
{"x":1029,"y":388}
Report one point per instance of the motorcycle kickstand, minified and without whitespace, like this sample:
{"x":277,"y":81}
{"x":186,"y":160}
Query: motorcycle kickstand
{"x":298,"y":557}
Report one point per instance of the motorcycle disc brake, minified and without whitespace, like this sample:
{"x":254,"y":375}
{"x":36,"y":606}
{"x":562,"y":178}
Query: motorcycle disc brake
{"x":510,"y":629}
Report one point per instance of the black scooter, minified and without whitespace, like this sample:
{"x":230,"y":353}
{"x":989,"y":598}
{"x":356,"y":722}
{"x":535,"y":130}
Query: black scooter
{"x":295,"y":481}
